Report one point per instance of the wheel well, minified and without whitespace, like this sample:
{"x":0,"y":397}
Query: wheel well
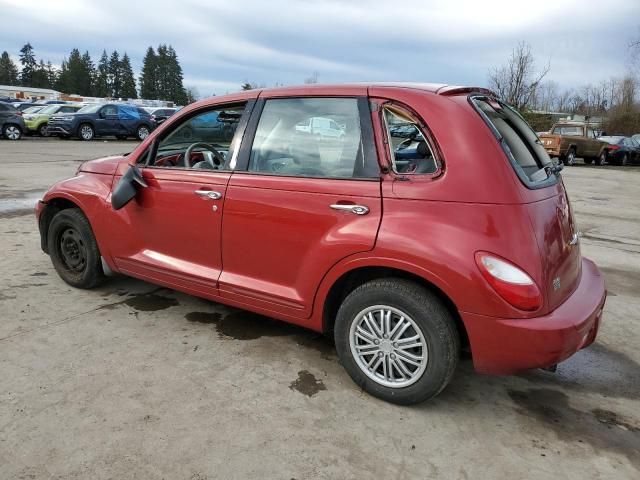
{"x":353,"y":279}
{"x":53,"y":206}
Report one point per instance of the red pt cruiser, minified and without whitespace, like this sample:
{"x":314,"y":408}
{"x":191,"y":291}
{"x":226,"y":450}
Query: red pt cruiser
{"x":409,"y":221}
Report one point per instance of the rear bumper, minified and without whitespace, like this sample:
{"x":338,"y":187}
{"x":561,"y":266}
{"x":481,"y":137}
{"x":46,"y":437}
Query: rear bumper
{"x":505,"y":346}
{"x":553,"y":152}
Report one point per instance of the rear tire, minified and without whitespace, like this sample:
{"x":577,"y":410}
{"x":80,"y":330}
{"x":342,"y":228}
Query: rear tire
{"x":73,"y":249}
{"x":142,"y":132}
{"x":602,"y":159}
{"x":419,"y":372}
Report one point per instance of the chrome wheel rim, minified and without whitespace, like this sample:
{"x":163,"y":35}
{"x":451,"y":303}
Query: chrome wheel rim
{"x":12,"y":133}
{"x":143,"y":133}
{"x":86,"y":132}
{"x":571,"y":157}
{"x":388,"y":346}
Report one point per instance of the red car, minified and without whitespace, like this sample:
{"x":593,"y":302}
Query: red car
{"x":455,"y":234}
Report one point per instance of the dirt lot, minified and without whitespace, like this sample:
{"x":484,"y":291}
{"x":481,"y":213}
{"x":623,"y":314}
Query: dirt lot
{"x":133,"y":381}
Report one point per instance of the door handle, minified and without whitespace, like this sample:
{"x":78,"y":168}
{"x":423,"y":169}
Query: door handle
{"x":357,"y":209}
{"x":208,"y":194}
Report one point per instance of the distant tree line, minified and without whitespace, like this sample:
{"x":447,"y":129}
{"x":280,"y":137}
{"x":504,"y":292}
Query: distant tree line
{"x":160,"y":79}
{"x":522,"y":85}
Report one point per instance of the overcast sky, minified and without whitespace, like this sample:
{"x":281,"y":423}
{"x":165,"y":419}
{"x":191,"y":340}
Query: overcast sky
{"x":223,"y":43}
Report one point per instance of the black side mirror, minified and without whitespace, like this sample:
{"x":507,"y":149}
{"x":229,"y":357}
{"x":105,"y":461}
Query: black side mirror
{"x":127,"y":187}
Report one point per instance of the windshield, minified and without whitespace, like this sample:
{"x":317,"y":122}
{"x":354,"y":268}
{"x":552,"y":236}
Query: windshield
{"x":90,"y":108}
{"x":50,"y":109}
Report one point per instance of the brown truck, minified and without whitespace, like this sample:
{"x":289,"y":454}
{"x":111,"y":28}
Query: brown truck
{"x":570,"y":140}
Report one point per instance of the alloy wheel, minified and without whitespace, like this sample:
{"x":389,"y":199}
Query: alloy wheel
{"x":143,"y":132}
{"x":12,"y":132}
{"x":86,"y":132}
{"x":388,"y":346}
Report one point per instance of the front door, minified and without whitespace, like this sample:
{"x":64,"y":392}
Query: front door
{"x":175,"y":223}
{"x":107,"y":121}
{"x":298,"y":203}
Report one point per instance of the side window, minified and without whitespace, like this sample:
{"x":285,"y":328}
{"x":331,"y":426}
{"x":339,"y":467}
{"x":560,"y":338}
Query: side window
{"x":68,"y":109}
{"x":590,"y":133}
{"x":295,"y":137}
{"x":109,"y":110}
{"x":410,"y":151}
{"x":202,"y":141}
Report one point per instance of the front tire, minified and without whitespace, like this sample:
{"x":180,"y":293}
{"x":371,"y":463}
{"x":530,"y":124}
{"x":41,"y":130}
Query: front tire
{"x":12,"y":132}
{"x":86,"y":132}
{"x":625,"y":160}
{"x":42,"y":130}
{"x":73,"y":249}
{"x":397,"y":340}
{"x":570,"y":158}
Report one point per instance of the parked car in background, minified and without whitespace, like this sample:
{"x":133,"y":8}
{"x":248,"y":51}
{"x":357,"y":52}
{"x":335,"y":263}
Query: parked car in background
{"x":636,"y":137}
{"x":321,"y":127}
{"x":11,"y":123}
{"x":571,"y":140}
{"x":119,"y":120}
{"x":403,"y":266}
{"x":22,"y":106}
{"x":622,"y":150}
{"x":35,"y":109}
{"x":37,"y":122}
{"x":160,"y":114}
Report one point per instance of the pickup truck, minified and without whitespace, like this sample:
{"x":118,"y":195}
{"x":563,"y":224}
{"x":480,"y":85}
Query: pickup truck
{"x":568,"y":141}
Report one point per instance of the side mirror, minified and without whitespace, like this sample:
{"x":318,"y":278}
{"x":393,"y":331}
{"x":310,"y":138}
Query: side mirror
{"x":127,"y":187}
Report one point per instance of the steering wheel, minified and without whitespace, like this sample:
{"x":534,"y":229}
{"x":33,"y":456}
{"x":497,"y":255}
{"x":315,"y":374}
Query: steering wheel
{"x":186,"y":160}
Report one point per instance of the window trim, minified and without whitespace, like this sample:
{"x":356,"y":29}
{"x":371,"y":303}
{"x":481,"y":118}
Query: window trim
{"x":236,"y":141}
{"x":424,"y":130}
{"x":370,"y":156}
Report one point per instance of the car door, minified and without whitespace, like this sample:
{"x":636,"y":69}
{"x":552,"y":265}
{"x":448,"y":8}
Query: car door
{"x":173,"y":228}
{"x":295,"y":205}
{"x":107,"y":120}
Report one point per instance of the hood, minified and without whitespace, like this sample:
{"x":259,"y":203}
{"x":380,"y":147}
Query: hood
{"x":103,"y":166}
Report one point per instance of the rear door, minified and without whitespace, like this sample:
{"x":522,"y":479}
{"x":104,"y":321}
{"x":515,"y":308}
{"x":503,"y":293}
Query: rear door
{"x":297,"y":204}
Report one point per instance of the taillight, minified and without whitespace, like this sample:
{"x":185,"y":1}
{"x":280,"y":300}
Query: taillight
{"x":19,"y":113}
{"x":510,"y":282}
{"x":613,"y":147}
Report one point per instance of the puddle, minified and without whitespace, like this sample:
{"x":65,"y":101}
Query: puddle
{"x":600,"y":428}
{"x":244,"y":325}
{"x":150,"y":302}
{"x":307,"y":384}
{"x":596,"y":369}
{"x":17,"y":204}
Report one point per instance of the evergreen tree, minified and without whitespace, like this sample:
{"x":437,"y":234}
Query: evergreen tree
{"x":86,"y":75}
{"x":148,"y":79}
{"x":72,"y":75}
{"x":162,"y":73}
{"x":52,"y":75}
{"x":62,"y":82}
{"x":101,"y":86}
{"x":8,"y":70}
{"x":176,"y":91}
{"x":115,"y":79}
{"x":39,"y":77}
{"x":127,"y":78}
{"x":29,"y":65}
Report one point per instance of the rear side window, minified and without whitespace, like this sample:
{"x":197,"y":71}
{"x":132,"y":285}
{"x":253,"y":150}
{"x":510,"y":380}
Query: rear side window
{"x":520,"y":142}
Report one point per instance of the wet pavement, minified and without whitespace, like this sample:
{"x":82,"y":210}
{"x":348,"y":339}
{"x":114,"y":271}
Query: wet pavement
{"x":131,"y":380}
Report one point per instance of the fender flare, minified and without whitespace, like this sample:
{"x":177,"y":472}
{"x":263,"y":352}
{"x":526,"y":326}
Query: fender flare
{"x":365,"y":260}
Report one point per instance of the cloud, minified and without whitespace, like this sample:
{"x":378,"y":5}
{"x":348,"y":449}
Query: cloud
{"x":224,"y":43}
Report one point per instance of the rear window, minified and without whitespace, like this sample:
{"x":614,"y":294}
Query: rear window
{"x":568,"y":130}
{"x":521,"y":144}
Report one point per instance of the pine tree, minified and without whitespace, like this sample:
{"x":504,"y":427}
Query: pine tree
{"x":86,"y":75}
{"x":115,"y":79}
{"x":39,"y":77}
{"x":101,"y":85}
{"x":148,"y":79}
{"x":162,"y":73}
{"x":62,"y":82}
{"x":127,"y":78}
{"x":8,"y":70}
{"x":52,"y":75}
{"x":29,"y":65}
{"x":176,"y":92}
{"x":71,"y":74}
